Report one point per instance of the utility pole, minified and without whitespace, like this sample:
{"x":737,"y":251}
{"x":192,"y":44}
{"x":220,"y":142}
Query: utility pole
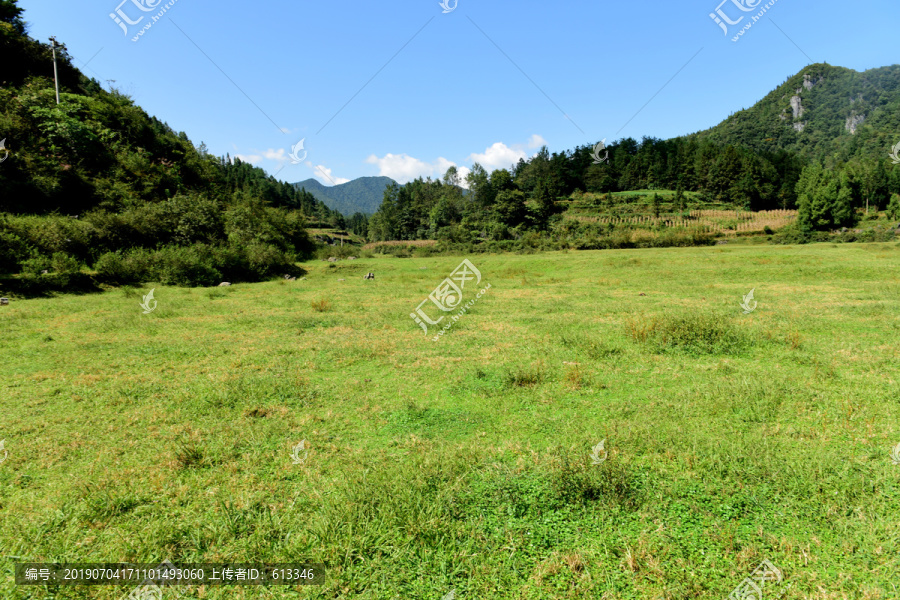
{"x":55,"y":75}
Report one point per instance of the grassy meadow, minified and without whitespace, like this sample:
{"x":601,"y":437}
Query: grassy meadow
{"x":463,"y":466}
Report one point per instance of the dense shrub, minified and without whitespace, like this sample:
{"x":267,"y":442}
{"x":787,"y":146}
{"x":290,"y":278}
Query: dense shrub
{"x":893,"y":207}
{"x":121,"y":268}
{"x":13,"y":250}
{"x":187,"y":266}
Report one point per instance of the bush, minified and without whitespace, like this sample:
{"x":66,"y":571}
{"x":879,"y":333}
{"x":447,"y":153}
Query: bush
{"x":893,"y":207}
{"x":64,"y":264}
{"x":265,"y":260}
{"x":187,"y":266}
{"x":13,"y":251}
{"x":791,"y":234}
{"x":119,"y":268}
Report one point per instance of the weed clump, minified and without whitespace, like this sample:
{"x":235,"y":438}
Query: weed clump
{"x":695,"y":334}
{"x":320,"y":305}
{"x":526,"y":376}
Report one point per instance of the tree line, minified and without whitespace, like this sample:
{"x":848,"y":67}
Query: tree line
{"x":526,"y":196}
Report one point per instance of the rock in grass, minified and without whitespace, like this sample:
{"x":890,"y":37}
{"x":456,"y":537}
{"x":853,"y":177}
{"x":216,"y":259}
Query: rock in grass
{"x":4,"y":301}
{"x":224,"y":284}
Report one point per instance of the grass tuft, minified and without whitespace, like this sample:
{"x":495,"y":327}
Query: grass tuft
{"x":694,"y":334}
{"x":526,"y":376}
{"x":321,"y":305}
{"x":189,"y":455}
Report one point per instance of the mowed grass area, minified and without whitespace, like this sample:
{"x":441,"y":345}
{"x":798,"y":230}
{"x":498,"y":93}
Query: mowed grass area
{"x":464,"y":464}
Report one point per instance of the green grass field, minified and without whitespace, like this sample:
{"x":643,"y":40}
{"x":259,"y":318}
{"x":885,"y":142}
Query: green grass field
{"x":464,"y":465}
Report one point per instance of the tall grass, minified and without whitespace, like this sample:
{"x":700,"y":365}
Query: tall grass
{"x":693,"y":333}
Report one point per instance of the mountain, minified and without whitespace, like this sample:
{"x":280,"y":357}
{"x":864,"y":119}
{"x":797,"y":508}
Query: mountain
{"x":823,"y":112}
{"x":360,"y":195}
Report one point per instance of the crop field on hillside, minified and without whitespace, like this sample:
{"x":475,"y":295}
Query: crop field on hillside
{"x":622,"y":424}
{"x":715,"y":222}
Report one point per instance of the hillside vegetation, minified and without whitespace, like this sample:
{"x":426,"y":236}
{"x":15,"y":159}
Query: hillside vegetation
{"x":819,"y":144}
{"x":96,"y":191}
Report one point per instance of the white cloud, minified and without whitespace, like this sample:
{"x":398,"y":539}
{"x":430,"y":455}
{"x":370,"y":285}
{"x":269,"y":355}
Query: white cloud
{"x":403,"y":168}
{"x":276,"y":155}
{"x":323,"y":174}
{"x":536,"y":141}
{"x":498,"y":156}
{"x":463,"y":172}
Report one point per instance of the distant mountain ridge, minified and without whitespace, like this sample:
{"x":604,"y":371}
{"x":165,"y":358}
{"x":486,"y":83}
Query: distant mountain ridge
{"x":363,"y":195}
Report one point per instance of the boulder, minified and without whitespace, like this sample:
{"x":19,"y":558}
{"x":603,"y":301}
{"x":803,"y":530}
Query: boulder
{"x":4,"y":301}
{"x":224,"y":284}
{"x":351,"y":258}
{"x":332,"y":259}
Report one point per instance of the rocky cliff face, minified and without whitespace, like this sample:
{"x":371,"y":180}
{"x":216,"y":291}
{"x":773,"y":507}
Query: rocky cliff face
{"x":809,"y":82}
{"x":853,"y":121}
{"x":797,"y":106}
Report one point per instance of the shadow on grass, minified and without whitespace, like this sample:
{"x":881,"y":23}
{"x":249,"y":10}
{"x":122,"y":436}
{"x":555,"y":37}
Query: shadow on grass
{"x":43,"y":286}
{"x":25,"y":286}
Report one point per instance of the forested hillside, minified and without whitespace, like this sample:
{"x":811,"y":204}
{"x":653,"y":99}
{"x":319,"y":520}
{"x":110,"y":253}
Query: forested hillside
{"x":822,"y":113}
{"x":95,"y":184}
{"x":828,"y":158}
{"x":362,"y":195}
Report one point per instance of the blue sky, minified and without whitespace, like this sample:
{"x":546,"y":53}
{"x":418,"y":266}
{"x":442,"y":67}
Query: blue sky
{"x":403,"y":89}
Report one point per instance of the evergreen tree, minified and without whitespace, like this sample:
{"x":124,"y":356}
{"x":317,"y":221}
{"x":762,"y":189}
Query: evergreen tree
{"x":12,"y":14}
{"x":824,"y":203}
{"x":545,"y":204}
{"x":510,"y":207}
